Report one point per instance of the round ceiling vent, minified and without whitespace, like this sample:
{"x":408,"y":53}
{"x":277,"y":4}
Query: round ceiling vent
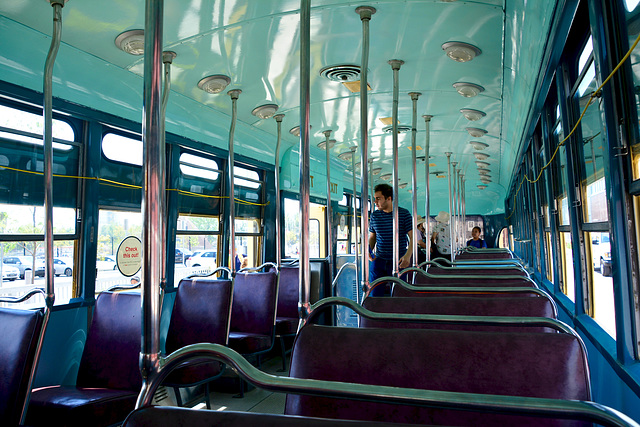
{"x":401,"y":129}
{"x":341,"y":73}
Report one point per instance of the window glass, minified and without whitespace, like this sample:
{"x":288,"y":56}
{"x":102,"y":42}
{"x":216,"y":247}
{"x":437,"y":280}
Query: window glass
{"x":122,"y":149}
{"x":113,"y":227}
{"x":567,"y":265}
{"x":602,"y":282}
{"x":630,"y":5}
{"x":503,"y":238}
{"x":550,"y":263}
{"x":633,"y":28}
{"x":199,"y":167}
{"x":344,"y":201}
{"x":240,"y":173}
{"x":28,"y":127}
{"x":196,"y":246}
{"x":292,"y":229}
{"x":585,"y":55}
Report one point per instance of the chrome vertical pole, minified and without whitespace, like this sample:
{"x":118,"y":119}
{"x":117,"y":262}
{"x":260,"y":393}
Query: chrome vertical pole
{"x":328,"y":213}
{"x":234,"y":94}
{"x":56,"y":37}
{"x":167,"y":59}
{"x":304,"y":304}
{"x":448,"y":154}
{"x":462,"y":225}
{"x":395,"y":66}
{"x":454,"y":213}
{"x":365,"y":13}
{"x":356,"y":241}
{"x":278,"y":118}
{"x":414,"y":177}
{"x":372,"y":206}
{"x":427,"y":228}
{"x":153,"y":164}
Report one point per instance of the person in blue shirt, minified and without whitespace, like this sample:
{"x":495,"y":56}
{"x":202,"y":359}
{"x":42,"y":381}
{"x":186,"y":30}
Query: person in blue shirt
{"x":381,"y":237}
{"x":475,"y":240}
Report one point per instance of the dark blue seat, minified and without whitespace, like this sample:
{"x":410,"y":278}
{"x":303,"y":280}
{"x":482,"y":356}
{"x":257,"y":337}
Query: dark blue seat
{"x":19,"y":333}
{"x":201,"y":314}
{"x":253,"y":312}
{"x":546,"y":365}
{"x":460,"y":306}
{"x":109,"y":378}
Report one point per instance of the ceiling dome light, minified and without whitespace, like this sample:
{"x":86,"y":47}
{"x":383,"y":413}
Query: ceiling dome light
{"x":468,"y":90}
{"x":214,"y":84}
{"x":403,"y":185}
{"x":481,"y":156}
{"x":482,"y":187}
{"x":401,"y":128}
{"x":484,"y":173}
{"x":461,"y":52}
{"x":131,"y":41}
{"x":376,"y":171}
{"x":265,"y":111}
{"x":323,"y":144}
{"x":482,"y":164}
{"x":386,"y":177}
{"x":472,"y":115}
{"x":346,"y":156}
{"x":476,"y":132}
{"x":478,"y":145}
{"x":485,"y":180}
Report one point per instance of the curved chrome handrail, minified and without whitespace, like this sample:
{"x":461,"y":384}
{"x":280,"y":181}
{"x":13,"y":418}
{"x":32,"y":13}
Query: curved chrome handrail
{"x":216,"y":271}
{"x":23,"y":298}
{"x":463,"y":276}
{"x":343,"y":267}
{"x":463,"y":266}
{"x":441,"y":318}
{"x":115,"y":288}
{"x":478,"y":262}
{"x":257,"y":269}
{"x":549,"y":408}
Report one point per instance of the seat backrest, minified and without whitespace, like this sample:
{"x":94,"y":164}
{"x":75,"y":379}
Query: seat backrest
{"x":288,"y":292}
{"x":399,"y":291}
{"x":459,"y":306}
{"x":421,"y":279}
{"x":19,"y":333}
{"x":461,"y":271}
{"x":542,"y":365}
{"x":111,"y":353}
{"x":480,"y":255}
{"x":201,"y":313}
{"x":255,"y":296}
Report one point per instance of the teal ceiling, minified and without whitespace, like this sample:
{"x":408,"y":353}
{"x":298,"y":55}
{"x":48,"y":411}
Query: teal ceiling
{"x":256,"y":43}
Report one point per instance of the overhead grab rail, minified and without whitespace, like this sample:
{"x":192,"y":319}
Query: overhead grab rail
{"x":548,"y":408}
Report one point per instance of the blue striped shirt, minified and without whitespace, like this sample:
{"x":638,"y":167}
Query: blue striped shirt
{"x":382,"y":224}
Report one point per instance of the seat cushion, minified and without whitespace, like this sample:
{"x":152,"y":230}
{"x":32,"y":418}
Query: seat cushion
{"x":247,"y":343}
{"x":75,"y":406}
{"x":286,"y":325}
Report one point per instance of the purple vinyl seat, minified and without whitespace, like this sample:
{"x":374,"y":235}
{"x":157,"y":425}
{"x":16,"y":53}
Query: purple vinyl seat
{"x":439,"y":271}
{"x":253,"y":312}
{"x":478,"y":255}
{"x":19,"y":332}
{"x":287,"y":317}
{"x":548,"y":365}
{"x":109,"y":378}
{"x":495,"y":280}
{"x":460,"y":306}
{"x":201,"y":314}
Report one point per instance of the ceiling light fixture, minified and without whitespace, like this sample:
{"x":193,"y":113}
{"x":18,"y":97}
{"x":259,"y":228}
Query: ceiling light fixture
{"x":481,"y":156}
{"x":482,"y":187}
{"x":478,"y":145}
{"x":386,"y":177}
{"x":472,"y":115}
{"x":485,"y":170}
{"x":468,"y":90}
{"x":376,"y":171}
{"x":485,"y":180}
{"x":482,"y":164}
{"x":214,"y":84}
{"x":400,"y":128}
{"x":265,"y":111}
{"x":131,"y":41}
{"x":461,"y":52}
{"x":476,"y":132}
{"x":346,"y":156}
{"x":403,"y":185}
{"x":323,"y":144}
{"x":484,"y":173}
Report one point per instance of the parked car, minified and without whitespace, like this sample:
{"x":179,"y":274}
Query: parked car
{"x":182,"y":255}
{"x":189,"y":260}
{"x":601,"y":253}
{"x":106,"y":262}
{"x":204,"y":259}
{"x":68,"y":263}
{"x":23,"y":263}
{"x":10,"y":272}
{"x":59,"y":267}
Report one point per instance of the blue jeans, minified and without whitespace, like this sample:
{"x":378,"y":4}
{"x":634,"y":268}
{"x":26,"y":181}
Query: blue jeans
{"x":380,"y":267}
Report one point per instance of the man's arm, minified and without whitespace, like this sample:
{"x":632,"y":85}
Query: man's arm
{"x":405,"y":261}
{"x":372,"y":244}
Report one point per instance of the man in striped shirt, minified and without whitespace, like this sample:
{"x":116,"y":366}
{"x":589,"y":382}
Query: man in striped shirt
{"x":381,"y":237}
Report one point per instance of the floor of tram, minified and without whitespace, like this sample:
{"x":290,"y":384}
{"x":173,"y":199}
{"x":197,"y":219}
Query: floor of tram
{"x":224,"y":393}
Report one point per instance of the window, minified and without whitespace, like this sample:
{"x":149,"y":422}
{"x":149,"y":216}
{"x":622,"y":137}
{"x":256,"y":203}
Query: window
{"x":122,"y":149}
{"x":246,"y":178}
{"x":113,"y":227}
{"x":599,"y":247}
{"x":248,"y":242}
{"x":28,"y":127}
{"x":23,"y":257}
{"x":200,"y":167}
{"x":503,"y":238}
{"x":292,"y":229}
{"x":196,"y":245}
{"x":566,"y":248}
